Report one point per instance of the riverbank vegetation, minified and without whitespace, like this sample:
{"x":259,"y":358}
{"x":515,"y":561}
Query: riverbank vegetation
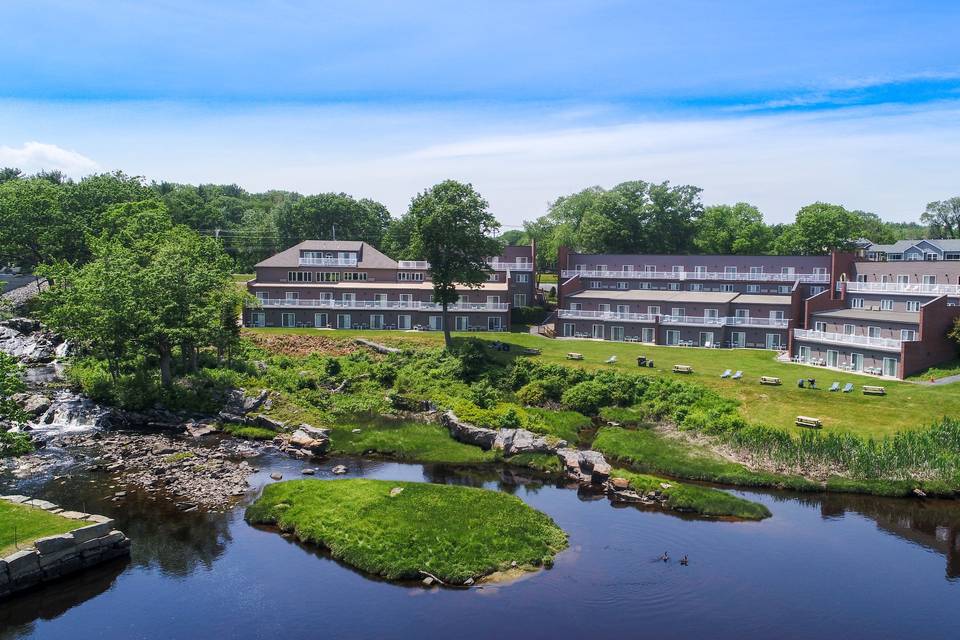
{"x":20,"y":525}
{"x":11,"y":443}
{"x":406,"y":530}
{"x":695,"y":499}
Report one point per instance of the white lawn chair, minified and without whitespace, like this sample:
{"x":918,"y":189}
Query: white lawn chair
{"x":726,"y":374}
{"x":610,"y":360}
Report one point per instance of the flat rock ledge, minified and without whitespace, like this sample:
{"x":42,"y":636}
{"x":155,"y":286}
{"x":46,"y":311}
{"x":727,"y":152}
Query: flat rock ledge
{"x":54,"y":557}
{"x":510,"y":441}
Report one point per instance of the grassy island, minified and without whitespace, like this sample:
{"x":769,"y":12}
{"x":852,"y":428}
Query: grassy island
{"x":695,"y":499}
{"x":20,"y":525}
{"x":454,"y":533}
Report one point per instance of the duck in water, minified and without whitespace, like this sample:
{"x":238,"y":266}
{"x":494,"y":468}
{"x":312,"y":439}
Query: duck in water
{"x":664,"y":557}
{"x":684,"y":561}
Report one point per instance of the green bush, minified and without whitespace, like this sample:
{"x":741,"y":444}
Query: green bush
{"x":14,"y":444}
{"x":586,"y":397}
{"x":532,"y":394}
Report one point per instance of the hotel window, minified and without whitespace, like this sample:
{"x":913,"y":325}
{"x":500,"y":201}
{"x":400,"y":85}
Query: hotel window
{"x":348,"y":297}
{"x":493,"y":299}
{"x":929,"y":279}
{"x":644,"y":285}
{"x":623,"y":308}
{"x":856,"y":303}
{"x":849,"y":330}
{"x":354,"y":275}
{"x":700,"y":271}
{"x":603,"y":308}
{"x":784,"y":288}
{"x":291,"y":295}
{"x":623,"y":285}
{"x":873,"y":332}
{"x":820,"y":326}
{"x":787,"y":271}
{"x":886,"y":305}
{"x":678,"y":268}
{"x":861,"y":277}
{"x":729,"y":271}
{"x":678,"y":312}
{"x":908,"y":335}
{"x":710,"y":313}
{"x":815,"y":290}
{"x":903,"y":279}
{"x":727,"y":288}
{"x":328,"y":276}
{"x":753,"y":288}
{"x":628,"y":268}
{"x":884,"y":278}
{"x":519,"y":299}
{"x":596,"y":284}
{"x":299,"y":276}
{"x":493,"y":277}
{"x":288,"y":320}
{"x":522,"y":278}
{"x":406,"y":298}
{"x":601,"y":267}
{"x":894,"y":256}
{"x":649,"y":268}
{"x":263,"y":296}
{"x":654,"y":311}
{"x":380,"y":299}
{"x":410,"y":276}
{"x":820,"y":271}
{"x":696,"y":287}
{"x":913,"y":305}
{"x":576,"y":306}
{"x":756,"y":271}
{"x":674,"y":286}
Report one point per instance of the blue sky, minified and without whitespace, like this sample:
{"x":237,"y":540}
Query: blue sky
{"x":775,"y":103}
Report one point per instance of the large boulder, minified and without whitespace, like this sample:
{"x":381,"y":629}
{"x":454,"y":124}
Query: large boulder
{"x":467,"y":433}
{"x":310,"y":440}
{"x":269,"y":423}
{"x":516,"y":441}
{"x":586,"y":467}
{"x":33,"y":405}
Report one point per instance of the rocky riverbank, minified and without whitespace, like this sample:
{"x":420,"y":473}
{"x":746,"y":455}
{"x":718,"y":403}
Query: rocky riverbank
{"x":193,"y":475}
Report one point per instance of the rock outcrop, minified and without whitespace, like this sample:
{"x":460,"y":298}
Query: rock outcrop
{"x":51,"y":558}
{"x":305,"y":441}
{"x":510,"y":441}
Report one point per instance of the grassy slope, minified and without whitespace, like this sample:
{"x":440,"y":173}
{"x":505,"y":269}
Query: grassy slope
{"x":565,"y":425}
{"x":906,"y":406}
{"x":702,"y":500}
{"x":453,"y":532}
{"x":25,"y":524}
{"x":409,"y":441}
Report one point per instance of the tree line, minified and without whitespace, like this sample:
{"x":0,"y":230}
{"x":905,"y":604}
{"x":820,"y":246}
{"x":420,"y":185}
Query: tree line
{"x":47,"y":217}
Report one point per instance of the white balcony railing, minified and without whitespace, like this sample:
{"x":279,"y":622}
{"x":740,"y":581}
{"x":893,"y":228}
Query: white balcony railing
{"x":902,"y":287}
{"x":706,"y":321}
{"x":387,"y":305}
{"x":498,"y":265}
{"x":574,"y":314}
{"x":416,"y":265}
{"x":699,"y":275}
{"x":328,"y":262}
{"x":887,"y":344}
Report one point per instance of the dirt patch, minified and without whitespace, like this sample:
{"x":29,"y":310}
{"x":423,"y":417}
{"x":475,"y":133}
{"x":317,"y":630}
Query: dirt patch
{"x":302,"y":345}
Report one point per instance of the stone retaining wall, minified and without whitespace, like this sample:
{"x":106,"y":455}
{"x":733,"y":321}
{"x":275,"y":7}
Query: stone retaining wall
{"x":53,"y":557}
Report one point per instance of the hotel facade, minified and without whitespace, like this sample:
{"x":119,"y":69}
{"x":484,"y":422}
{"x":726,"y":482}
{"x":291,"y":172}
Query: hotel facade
{"x":884,"y":311}
{"x":352,"y":285}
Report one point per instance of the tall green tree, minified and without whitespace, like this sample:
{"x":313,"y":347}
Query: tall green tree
{"x":332,"y":215}
{"x":34,"y":227}
{"x":454,"y":231}
{"x":732,"y":229}
{"x":943,"y":218}
{"x":820,"y":228}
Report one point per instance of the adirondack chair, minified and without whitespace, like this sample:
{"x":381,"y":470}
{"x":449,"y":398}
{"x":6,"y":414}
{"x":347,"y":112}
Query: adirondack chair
{"x":726,"y":374}
{"x":737,"y":375}
{"x":610,"y":360}
{"x":835,"y":386}
{"x":847,"y":388}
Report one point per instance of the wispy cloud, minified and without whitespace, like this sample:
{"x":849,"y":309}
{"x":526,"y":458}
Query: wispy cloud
{"x":38,"y":156}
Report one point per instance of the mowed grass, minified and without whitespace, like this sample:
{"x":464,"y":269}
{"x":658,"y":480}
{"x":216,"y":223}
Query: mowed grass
{"x":21,"y":525}
{"x":408,"y":441}
{"x":906,"y":405}
{"x":701,"y":500}
{"x":455,"y":533}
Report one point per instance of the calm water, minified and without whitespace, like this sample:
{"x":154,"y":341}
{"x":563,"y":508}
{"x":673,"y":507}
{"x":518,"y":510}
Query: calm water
{"x":822,"y":566}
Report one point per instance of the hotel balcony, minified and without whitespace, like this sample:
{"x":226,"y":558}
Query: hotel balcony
{"x":414,"y":265}
{"x":816,"y":278}
{"x":843,"y":339}
{"x":700,"y":321}
{"x":497,"y":265}
{"x":902,"y":288}
{"x":373,"y":305}
{"x":328,"y":262}
{"x":575,"y":314}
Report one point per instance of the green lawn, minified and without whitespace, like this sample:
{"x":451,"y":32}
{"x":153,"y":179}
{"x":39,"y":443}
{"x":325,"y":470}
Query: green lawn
{"x":702,"y":500}
{"x":906,"y":405}
{"x":548,"y":278}
{"x":455,"y":533}
{"x":950,"y":368}
{"x":243,"y":277}
{"x":408,"y":441}
{"x":21,"y":525}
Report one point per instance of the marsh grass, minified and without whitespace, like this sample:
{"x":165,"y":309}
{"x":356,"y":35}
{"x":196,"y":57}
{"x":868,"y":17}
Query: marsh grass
{"x":704,"y":501}
{"x":455,"y":533}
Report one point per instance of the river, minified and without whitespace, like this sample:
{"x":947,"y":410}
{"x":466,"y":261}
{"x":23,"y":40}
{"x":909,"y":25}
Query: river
{"x":827,"y":566}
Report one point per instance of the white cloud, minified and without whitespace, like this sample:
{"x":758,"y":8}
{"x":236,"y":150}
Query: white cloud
{"x":37,"y":156}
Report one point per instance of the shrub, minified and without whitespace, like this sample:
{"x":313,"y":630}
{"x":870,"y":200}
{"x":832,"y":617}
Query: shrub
{"x":483,"y":395}
{"x":586,"y":397}
{"x":533,"y":394}
{"x":14,"y":444}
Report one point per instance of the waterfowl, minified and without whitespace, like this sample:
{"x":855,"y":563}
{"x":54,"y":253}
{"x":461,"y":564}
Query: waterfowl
{"x":684,"y":561}
{"x":664,"y":557}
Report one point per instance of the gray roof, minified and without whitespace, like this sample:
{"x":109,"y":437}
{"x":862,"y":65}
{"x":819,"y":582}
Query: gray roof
{"x":909,"y":317}
{"x":944,"y":244}
{"x":662,"y":295}
{"x":369,"y":257}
